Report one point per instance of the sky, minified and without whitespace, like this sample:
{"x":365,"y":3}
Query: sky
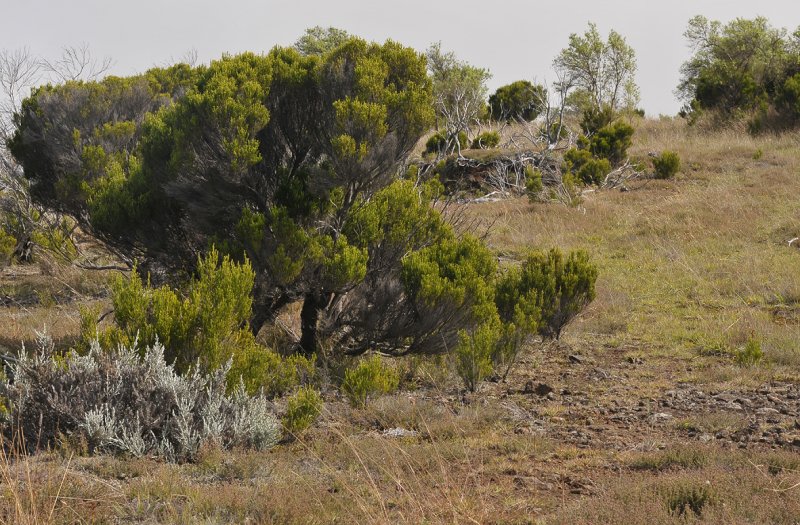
{"x":513,"y":39}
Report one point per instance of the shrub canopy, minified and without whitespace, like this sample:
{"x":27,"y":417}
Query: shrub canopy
{"x":743,"y":66}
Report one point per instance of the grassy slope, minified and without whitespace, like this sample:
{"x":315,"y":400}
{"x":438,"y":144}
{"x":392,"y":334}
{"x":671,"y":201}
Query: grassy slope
{"x":690,"y":270}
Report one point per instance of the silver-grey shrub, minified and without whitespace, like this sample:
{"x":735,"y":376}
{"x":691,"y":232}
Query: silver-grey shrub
{"x":131,"y":402}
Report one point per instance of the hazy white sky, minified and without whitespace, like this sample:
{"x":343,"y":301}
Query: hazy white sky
{"x":514,"y":39}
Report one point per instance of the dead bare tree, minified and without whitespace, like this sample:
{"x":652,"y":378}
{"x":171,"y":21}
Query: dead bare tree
{"x":76,"y":63}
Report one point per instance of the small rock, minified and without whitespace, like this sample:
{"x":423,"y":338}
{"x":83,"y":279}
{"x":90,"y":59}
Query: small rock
{"x":705,"y":438}
{"x":399,"y":432}
{"x":542,"y":389}
{"x":660,"y":417}
{"x":767,"y":411}
{"x":575,"y":358}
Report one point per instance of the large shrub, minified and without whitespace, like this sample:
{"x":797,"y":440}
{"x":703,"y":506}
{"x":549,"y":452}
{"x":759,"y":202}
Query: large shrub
{"x":123,"y":400}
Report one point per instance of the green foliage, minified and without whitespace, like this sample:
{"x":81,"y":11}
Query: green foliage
{"x":667,"y":164}
{"x":533,"y":183}
{"x":206,"y":327}
{"x":474,"y":353}
{"x":612,"y":142}
{"x":594,"y":119}
{"x":587,"y":168}
{"x":750,"y":355}
{"x":7,"y":245}
{"x":602,"y":71}
{"x":368,"y":379}
{"x":745,"y":67}
{"x":319,"y":40}
{"x":302,"y":409}
{"x":438,"y":142}
{"x":599,"y":152}
{"x":518,"y":100}
{"x":486,"y":140}
{"x":558,"y":287}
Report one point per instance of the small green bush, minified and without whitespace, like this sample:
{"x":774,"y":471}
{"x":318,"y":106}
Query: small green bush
{"x":438,"y":142}
{"x":750,"y":355}
{"x":486,"y":140}
{"x":667,"y":164}
{"x":206,"y":326}
{"x":612,"y":142}
{"x":533,"y":183}
{"x":587,"y":168}
{"x":303,"y":408}
{"x":368,"y":379}
{"x":561,"y":286}
{"x":474,"y":354}
{"x":594,"y":171}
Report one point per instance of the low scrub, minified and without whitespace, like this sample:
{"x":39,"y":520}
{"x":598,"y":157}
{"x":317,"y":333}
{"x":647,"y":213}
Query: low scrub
{"x":370,"y":378}
{"x":124,"y":401}
{"x":486,"y":140}
{"x":666,"y":165}
{"x":303,"y":408}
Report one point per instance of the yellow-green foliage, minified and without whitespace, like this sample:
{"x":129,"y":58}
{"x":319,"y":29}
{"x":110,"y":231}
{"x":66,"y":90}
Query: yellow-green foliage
{"x":368,"y":379}
{"x":56,"y":239}
{"x":533,"y":183}
{"x":474,"y":354}
{"x":562,"y":287}
{"x":207,"y":326}
{"x":302,"y":409}
{"x":751,"y":354}
{"x":486,"y":140}
{"x":7,"y":244}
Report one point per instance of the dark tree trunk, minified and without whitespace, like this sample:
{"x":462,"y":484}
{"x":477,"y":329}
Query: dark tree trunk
{"x":309,"y":316}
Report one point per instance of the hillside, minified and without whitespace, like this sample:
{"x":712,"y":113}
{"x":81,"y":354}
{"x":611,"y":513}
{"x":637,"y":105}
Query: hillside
{"x":646,"y":411}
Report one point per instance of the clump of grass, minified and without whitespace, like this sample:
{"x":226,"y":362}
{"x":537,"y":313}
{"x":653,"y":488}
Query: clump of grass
{"x":750,"y":355}
{"x":680,"y":457}
{"x":688,"y":496}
